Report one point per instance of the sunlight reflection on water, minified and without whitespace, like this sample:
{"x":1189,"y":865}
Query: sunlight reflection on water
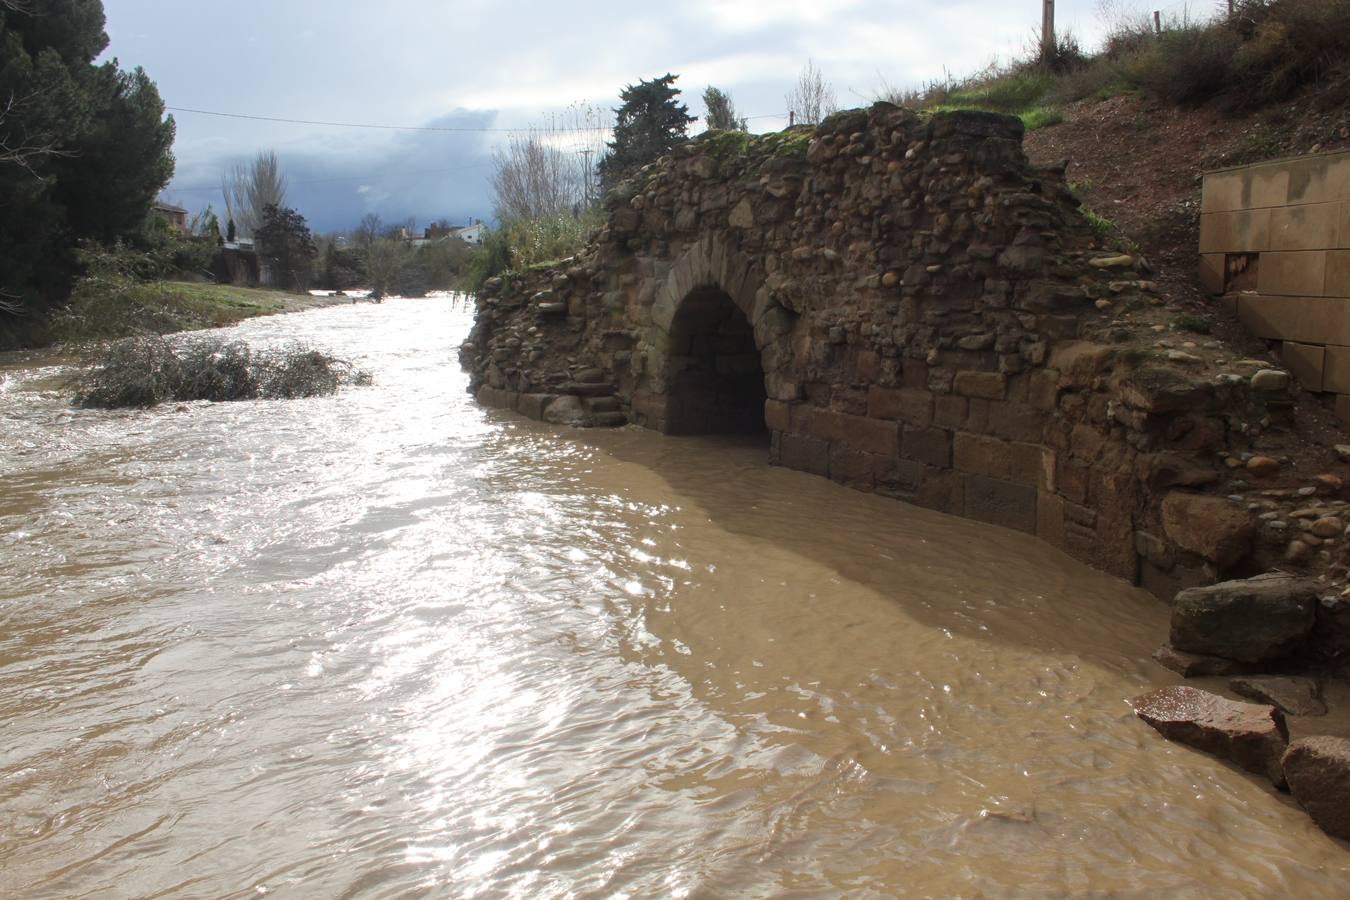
{"x":388,"y":641}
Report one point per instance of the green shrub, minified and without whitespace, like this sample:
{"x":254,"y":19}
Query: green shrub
{"x":1193,"y":323}
{"x":1187,"y":65}
{"x":145,"y":371}
{"x":520,"y":244}
{"x":488,"y":260}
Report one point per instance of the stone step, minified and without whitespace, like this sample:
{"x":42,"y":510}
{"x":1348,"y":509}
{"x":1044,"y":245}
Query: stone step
{"x":609,"y":420}
{"x":597,"y":389}
{"x":589,"y":376}
{"x":603,"y":404}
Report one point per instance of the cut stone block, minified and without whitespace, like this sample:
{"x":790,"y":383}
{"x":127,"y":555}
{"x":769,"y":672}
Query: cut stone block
{"x":1336,"y":371}
{"x":1243,"y":231}
{"x":1337,"y":282}
{"x":1309,"y":320}
{"x":1305,"y":362}
{"x":1311,"y":227}
{"x":1293,"y":273}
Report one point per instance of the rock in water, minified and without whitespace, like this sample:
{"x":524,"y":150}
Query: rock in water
{"x":1255,"y":619}
{"x":1318,"y":771}
{"x":1253,"y":736}
{"x":1294,"y":696}
{"x":1196,"y":665}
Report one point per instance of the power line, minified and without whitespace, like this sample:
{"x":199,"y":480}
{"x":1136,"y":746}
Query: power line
{"x":445,"y":130}
{"x":426,"y":128}
{"x":346,"y":178}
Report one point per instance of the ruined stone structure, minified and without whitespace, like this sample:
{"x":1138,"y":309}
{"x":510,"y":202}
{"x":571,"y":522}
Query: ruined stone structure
{"x":905,"y":305}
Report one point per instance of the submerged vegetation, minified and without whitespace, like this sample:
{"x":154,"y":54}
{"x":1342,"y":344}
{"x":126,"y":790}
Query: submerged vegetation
{"x":146,"y":371}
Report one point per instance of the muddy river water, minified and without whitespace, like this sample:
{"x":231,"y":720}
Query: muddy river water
{"x":389,"y":644}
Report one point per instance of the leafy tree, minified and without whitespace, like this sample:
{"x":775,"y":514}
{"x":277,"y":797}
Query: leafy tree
{"x":648,"y":123}
{"x":721,"y":112}
{"x":116,"y":168}
{"x":84,"y":149}
{"x":206,"y":224}
{"x":284,"y":241}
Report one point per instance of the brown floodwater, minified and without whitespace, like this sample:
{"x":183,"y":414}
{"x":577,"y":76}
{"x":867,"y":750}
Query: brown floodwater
{"x":390,"y":644}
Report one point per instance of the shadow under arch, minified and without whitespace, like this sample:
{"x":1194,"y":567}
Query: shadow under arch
{"x":714,"y":379}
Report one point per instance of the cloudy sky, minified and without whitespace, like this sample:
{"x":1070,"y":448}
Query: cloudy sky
{"x":476,"y":69}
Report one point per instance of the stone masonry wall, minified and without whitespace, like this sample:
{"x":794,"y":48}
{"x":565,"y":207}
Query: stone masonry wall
{"x":931,"y":318}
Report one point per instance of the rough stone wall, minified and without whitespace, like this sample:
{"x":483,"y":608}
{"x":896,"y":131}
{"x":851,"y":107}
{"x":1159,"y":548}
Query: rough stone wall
{"x":932,"y":319}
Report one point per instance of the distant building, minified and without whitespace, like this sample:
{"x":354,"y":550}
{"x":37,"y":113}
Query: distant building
{"x":471,"y":234}
{"x":176,"y":216}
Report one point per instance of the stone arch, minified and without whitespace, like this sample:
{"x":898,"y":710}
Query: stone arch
{"x":714,"y":380}
{"x":718,"y":347}
{"x":710,"y":262}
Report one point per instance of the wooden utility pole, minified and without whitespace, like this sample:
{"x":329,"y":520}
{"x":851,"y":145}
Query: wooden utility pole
{"x":1048,"y":44}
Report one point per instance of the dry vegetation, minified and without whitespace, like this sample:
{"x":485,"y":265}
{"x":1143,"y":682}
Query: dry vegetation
{"x":146,"y":371}
{"x":1265,"y":52}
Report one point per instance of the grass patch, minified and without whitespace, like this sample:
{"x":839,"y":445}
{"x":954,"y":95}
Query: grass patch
{"x":1100,"y":225}
{"x":106,"y":306}
{"x":146,"y":371}
{"x":749,"y":150}
{"x":1041,"y":117}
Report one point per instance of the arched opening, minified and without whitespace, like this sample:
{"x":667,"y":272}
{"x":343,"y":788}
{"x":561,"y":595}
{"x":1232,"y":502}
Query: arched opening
{"x":714,"y":379}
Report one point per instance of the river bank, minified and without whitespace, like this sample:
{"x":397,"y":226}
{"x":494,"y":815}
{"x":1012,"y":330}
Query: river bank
{"x":162,"y":307}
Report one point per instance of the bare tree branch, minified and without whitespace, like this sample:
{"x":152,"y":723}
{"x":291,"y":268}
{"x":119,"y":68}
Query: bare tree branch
{"x":22,"y":151}
{"x":250,"y":188}
{"x":10,"y":305}
{"x":811,"y":98}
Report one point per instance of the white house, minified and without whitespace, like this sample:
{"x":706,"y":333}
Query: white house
{"x":471,"y":234}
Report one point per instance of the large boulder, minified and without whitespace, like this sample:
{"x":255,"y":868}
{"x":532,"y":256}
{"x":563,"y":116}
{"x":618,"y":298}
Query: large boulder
{"x":565,"y":410}
{"x":1252,"y":620}
{"x":1250,"y":735}
{"x":1214,"y":527}
{"x":1318,"y":772}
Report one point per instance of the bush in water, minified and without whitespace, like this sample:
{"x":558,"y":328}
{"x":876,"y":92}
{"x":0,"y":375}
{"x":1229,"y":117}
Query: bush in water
{"x":142,"y":372}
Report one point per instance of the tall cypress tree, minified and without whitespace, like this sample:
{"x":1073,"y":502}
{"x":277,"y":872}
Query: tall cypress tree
{"x":648,"y":123}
